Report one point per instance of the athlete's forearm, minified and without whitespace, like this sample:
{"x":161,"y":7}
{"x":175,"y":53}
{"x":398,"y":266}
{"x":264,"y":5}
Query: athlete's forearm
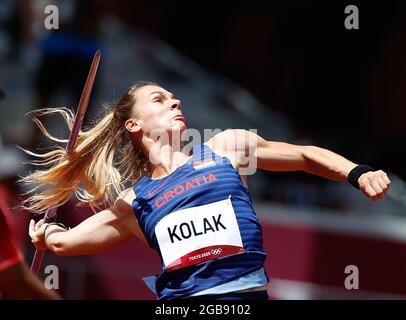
{"x":99,"y":233}
{"x":327,"y":164}
{"x":55,"y":240}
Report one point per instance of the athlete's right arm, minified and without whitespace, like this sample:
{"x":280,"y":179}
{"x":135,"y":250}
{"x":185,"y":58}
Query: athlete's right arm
{"x":101,"y":232}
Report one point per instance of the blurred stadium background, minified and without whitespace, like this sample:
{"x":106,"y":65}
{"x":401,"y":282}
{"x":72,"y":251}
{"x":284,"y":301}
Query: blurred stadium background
{"x":286,"y":68}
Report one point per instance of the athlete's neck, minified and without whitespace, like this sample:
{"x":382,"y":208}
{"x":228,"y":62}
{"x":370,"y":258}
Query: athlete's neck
{"x":166,"y":158}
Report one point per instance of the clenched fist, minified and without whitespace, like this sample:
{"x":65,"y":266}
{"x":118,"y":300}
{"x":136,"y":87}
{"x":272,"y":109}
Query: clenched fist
{"x":374,"y":184}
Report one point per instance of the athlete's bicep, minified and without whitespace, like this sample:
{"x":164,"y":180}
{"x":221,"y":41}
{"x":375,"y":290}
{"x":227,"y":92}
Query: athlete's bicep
{"x":101,"y":232}
{"x":279,"y":156}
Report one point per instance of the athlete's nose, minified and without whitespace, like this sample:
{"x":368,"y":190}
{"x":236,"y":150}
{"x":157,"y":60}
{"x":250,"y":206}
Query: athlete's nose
{"x":177,"y":104}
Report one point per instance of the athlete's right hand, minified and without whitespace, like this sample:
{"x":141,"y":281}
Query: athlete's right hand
{"x":36,"y":232}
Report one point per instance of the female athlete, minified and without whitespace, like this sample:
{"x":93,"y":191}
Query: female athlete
{"x":191,"y":206}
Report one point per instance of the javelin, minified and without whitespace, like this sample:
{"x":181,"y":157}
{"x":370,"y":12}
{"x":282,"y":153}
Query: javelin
{"x":50,"y":215}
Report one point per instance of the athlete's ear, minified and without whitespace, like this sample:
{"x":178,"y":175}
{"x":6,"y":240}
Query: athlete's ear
{"x":133,"y":125}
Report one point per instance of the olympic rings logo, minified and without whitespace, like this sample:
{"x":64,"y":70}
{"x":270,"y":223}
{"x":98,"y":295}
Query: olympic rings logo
{"x":216,"y":251}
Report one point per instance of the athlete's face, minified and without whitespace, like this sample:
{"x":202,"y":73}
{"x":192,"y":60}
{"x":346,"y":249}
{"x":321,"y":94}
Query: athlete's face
{"x":157,"y":109}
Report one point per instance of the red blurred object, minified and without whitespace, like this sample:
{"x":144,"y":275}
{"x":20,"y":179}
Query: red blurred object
{"x":9,"y":253}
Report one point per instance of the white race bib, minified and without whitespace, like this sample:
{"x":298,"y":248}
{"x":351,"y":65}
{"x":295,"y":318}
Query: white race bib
{"x":193,"y":235}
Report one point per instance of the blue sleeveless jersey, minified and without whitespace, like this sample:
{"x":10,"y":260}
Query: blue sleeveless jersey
{"x":174,"y":212}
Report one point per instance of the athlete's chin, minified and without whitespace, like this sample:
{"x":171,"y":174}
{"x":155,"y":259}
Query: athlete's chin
{"x":179,"y":127}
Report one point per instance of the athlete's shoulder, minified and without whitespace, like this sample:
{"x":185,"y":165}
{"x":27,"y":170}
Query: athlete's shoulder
{"x":231,"y":137}
{"x":230,"y":141}
{"x":218,"y":143}
{"x":223,"y":135}
{"x":223,"y":144}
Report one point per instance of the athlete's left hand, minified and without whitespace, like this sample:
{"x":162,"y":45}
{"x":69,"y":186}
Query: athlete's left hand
{"x":374,"y":184}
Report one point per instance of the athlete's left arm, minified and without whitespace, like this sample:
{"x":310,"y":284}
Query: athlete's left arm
{"x":279,"y":156}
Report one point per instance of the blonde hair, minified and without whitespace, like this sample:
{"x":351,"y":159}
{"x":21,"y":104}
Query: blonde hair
{"x":104,"y":160}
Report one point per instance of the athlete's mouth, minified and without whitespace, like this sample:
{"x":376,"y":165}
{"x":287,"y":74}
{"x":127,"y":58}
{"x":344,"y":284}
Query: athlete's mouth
{"x":179,"y":117}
